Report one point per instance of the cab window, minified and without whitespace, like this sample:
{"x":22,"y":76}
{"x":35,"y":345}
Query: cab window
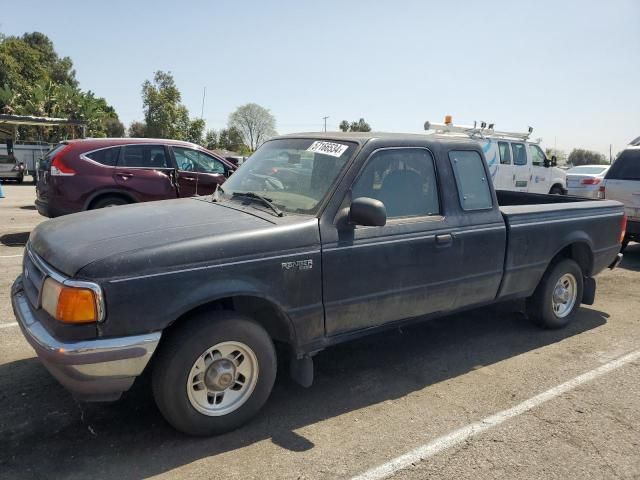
{"x":537,"y":155}
{"x":519,"y":154}
{"x":403,"y":179}
{"x":505,"y":153}
{"x":471,"y":180}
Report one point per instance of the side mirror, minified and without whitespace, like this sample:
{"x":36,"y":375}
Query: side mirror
{"x":554,"y":161}
{"x":368,"y":212}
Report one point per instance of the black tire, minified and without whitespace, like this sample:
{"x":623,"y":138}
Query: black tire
{"x":180,"y":350}
{"x":110,"y":201}
{"x":625,"y":244}
{"x":540,"y":308}
{"x":556,"y":190}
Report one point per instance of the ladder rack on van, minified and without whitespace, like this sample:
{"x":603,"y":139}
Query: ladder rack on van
{"x":484,"y":131}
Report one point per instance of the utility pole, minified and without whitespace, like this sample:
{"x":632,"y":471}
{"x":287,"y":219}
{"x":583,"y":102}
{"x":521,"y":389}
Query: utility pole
{"x":325,"y":123}
{"x":610,"y":160}
{"x":204,"y":94}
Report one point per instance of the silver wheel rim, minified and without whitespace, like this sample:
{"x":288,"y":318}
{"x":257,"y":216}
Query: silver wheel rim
{"x":564,"y":295}
{"x":222,"y":379}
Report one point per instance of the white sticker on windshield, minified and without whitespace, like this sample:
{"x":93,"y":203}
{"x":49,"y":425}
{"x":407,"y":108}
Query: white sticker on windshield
{"x":328,"y":148}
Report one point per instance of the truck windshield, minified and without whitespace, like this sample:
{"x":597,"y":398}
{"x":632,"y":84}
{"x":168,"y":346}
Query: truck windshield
{"x":295,"y":174}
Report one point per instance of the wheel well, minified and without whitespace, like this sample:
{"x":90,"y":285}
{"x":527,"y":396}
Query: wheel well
{"x":101,"y":196}
{"x":580,"y":253}
{"x":262,"y":311}
{"x":559,"y":185}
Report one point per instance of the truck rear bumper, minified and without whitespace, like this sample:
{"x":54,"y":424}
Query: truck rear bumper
{"x":93,"y":370}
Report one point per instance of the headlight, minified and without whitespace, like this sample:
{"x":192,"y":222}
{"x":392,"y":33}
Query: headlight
{"x":69,"y":304}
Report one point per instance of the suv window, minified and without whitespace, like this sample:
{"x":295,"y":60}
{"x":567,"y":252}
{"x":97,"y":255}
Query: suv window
{"x":403,"y":179}
{"x":505,"y":153}
{"x":471,"y":179}
{"x":519,"y":154}
{"x":626,"y":167}
{"x":106,"y":156}
{"x":537,"y":155}
{"x":191,"y":160}
{"x":146,"y":156}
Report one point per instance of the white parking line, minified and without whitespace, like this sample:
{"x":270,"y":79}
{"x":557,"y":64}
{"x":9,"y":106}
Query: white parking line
{"x":11,"y":256}
{"x":462,"y":434}
{"x":7,"y":325}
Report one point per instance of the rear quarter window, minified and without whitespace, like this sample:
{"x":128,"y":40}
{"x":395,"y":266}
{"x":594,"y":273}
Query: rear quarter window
{"x":106,"y":156}
{"x":626,"y":167}
{"x":471,"y":180}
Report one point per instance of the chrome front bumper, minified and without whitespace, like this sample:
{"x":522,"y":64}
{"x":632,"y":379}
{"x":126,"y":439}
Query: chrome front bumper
{"x":93,"y":370}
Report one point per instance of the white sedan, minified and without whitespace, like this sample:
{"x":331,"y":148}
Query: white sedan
{"x":585,"y":180}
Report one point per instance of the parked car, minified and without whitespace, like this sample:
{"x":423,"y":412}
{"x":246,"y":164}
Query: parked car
{"x":622,"y":183}
{"x":386,"y":229}
{"x":79,"y":175}
{"x":585,"y":180}
{"x":11,"y":169}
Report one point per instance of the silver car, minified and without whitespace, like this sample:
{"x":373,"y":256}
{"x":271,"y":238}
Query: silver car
{"x":10,"y":169}
{"x":585,"y":180}
{"x":623,"y":184}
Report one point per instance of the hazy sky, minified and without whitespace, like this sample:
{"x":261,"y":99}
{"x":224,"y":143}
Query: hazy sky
{"x":570,"y":69}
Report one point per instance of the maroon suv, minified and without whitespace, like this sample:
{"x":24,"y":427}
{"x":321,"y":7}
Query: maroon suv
{"x":85,"y":174}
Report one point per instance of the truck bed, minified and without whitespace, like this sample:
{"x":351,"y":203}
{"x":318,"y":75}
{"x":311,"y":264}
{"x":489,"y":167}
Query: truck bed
{"x":538,"y":224}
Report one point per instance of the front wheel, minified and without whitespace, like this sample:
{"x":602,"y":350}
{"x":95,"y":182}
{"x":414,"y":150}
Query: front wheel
{"x":214,"y":373}
{"x":558,"y":295}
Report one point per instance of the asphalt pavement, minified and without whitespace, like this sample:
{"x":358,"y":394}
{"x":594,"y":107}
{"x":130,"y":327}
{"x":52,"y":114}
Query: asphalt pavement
{"x":483,"y":394}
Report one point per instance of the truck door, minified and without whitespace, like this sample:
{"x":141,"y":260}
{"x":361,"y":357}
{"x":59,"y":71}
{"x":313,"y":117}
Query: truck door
{"x":540,"y":175}
{"x":407,"y":268}
{"x":145,"y":172}
{"x":522,"y":168}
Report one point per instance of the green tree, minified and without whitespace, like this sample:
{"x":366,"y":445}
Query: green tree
{"x":359,"y":126}
{"x":580,"y":156}
{"x":211,"y":139}
{"x":254,"y":123}
{"x":560,"y":155}
{"x":34,"y":80}
{"x":196,"y":131}
{"x":164,"y":115}
{"x":137,"y":130}
{"x":231,"y":139}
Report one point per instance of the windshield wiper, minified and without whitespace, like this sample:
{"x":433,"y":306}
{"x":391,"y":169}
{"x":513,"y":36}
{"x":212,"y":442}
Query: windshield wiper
{"x":266,"y":201}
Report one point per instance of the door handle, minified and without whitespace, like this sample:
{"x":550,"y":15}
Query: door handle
{"x":444,"y":239}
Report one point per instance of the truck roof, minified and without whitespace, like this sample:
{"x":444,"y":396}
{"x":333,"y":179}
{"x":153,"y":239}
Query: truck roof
{"x":363,"y":137}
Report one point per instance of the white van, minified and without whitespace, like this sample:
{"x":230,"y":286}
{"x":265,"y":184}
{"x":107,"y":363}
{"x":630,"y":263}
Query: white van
{"x":515,"y":162}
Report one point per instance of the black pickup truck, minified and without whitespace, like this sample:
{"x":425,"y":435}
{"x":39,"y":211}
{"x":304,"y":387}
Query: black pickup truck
{"x":315,"y":240}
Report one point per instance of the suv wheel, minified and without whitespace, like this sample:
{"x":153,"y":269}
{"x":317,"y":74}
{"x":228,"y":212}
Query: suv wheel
{"x":106,"y":202}
{"x":558,"y":295}
{"x":214,"y":373}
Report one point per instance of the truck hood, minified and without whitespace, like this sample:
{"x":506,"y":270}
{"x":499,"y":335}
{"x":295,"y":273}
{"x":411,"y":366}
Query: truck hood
{"x":135,"y":236}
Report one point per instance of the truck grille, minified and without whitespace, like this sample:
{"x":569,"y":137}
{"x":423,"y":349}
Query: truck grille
{"x":32,"y":278}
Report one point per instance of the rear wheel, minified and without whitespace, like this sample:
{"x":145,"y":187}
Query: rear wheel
{"x":558,"y":295}
{"x":556,"y":190}
{"x":111,"y":201}
{"x":214,"y":373}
